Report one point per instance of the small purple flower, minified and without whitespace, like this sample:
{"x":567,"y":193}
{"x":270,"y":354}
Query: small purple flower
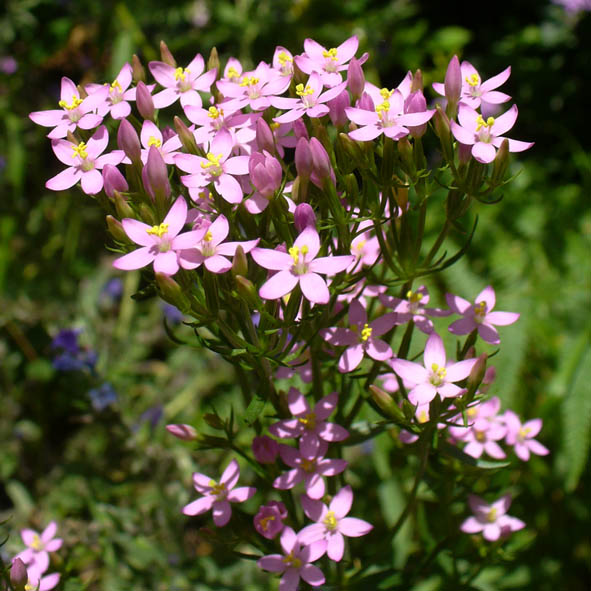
{"x":521,"y":437}
{"x":265,"y":449}
{"x":219,"y":495}
{"x":483,"y":436}
{"x":115,"y":100}
{"x":103,"y":396}
{"x":36,"y":556}
{"x":269,"y":520}
{"x":492,"y":520}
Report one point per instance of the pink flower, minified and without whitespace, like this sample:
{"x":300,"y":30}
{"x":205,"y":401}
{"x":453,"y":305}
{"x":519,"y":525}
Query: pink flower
{"x":295,"y":563}
{"x":160,"y":244}
{"x":36,"y":556}
{"x":310,"y":425}
{"x":479,"y":316}
{"x":331,"y":524}
{"x":266,"y":175}
{"x":152,"y":136}
{"x":219,"y":495}
{"x":183,"y":83}
{"x":492,"y":520}
{"x":485,"y":136}
{"x":413,"y":308}
{"x":269,"y":519}
{"x":84,"y":161}
{"x":360,"y":339}
{"x":482,"y":437}
{"x":364,"y":247}
{"x":37,"y":582}
{"x":308,"y":470}
{"x":435,"y":377}
{"x":299,"y":266}
{"x":283,"y":61}
{"x":211,"y":250}
{"x":74,"y":112}
{"x":522,"y":436}
{"x":217,"y":168}
{"x":115,"y":101}
{"x":265,"y":449}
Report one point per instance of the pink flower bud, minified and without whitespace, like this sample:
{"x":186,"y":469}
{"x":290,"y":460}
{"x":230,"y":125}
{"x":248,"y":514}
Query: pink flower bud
{"x":464,"y":153}
{"x":303,"y":158}
{"x":155,"y":174}
{"x":300,"y":130}
{"x":265,"y":449}
{"x":304,"y":216}
{"x":265,"y":173}
{"x":18,"y":574}
{"x":320,"y":160}
{"x":128,"y":140}
{"x":453,"y":80}
{"x":355,"y":79}
{"x":269,"y":519}
{"x":366,"y":102}
{"x":113,"y":180}
{"x":416,"y":103}
{"x":184,"y":432}
{"x":337,"y":108}
{"x":264,"y":136}
{"x":144,"y":102}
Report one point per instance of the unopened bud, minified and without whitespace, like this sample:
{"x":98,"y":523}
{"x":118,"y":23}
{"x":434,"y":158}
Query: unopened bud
{"x":386,"y":403}
{"x":265,"y":449}
{"x":453,"y":85}
{"x":464,"y":153}
{"x":172,"y":292}
{"x":213,"y":62}
{"x":113,"y":180}
{"x":304,"y":217}
{"x":303,"y":158}
{"x":185,"y":135}
{"x":320,"y":159}
{"x":477,"y":374}
{"x":355,"y":79}
{"x":155,"y":175}
{"x":405,"y":151}
{"x":337,"y":108}
{"x":442,"y":129}
{"x":300,"y":130}
{"x":184,"y":432}
{"x":128,"y":141}
{"x":408,"y":410}
{"x":416,"y":103}
{"x":116,"y":229}
{"x":366,"y":102}
{"x":146,"y":214}
{"x":264,"y":136}
{"x":138,"y":70}
{"x":417,"y":82}
{"x":501,"y":162}
{"x":144,"y":102}
{"x":240,"y":262}
{"x":122,"y":208}
{"x":166,"y":55}
{"x":18,"y":574}
{"x":247,"y":291}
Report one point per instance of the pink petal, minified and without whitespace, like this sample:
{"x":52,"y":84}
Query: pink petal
{"x":92,"y":182}
{"x":366,"y":134}
{"x":229,"y":188}
{"x":333,"y":432}
{"x":314,"y":510}
{"x":222,"y":511}
{"x":138,"y":232}
{"x":351,"y":358}
{"x":383,"y":324}
{"x":309,"y":238}
{"x":488,"y":333}
{"x":361,"y":116}
{"x":315,"y":486}
{"x":457,"y":304}
{"x":462,"y":326}
{"x":279,"y":285}
{"x":502,"y":318}
{"x":290,"y":580}
{"x":166,"y":263}
{"x":496,"y":81}
{"x":237,"y":165}
{"x":491,"y":532}
{"x":309,"y":445}
{"x":336,"y":546}
{"x":422,"y":393}
{"x":341,"y":503}
{"x":353,"y":527}
{"x":463,"y":135}
{"x":272,"y":563}
{"x":288,"y":479}
{"x":217,"y":264}
{"x":331,"y":265}
{"x":331,"y":467}
{"x":325,"y":406}
{"x":434,"y":351}
{"x":135,"y":260}
{"x":53,"y":545}
{"x":312,"y":575}
{"x":298,"y":405}
{"x":537,"y":448}
{"x":339,"y":337}
{"x":230,"y":475}
{"x":472,"y":526}
{"x":504,"y":122}
{"x":379,"y":350}
{"x":239,"y":495}
{"x":314,"y":288}
{"x":64,"y":180}
{"x":460,"y":370}
{"x":409,"y":371}
{"x":49,"y":582}
{"x":484,"y":153}
{"x":199,"y":506}
{"x":274,"y":260}
{"x":487,"y":295}
{"x":311,"y":533}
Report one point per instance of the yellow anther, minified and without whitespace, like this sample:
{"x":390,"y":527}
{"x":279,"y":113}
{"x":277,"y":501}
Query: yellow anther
{"x":30,"y":587}
{"x":265,"y":521}
{"x":80,"y":150}
{"x":308,"y":465}
{"x":330,"y":54}
{"x":274,"y":125}
{"x":414,"y":296}
{"x":158,"y":230}
{"x":181,"y":74}
{"x":385,"y":93}
{"x":213,"y":162}
{"x":76,"y":102}
{"x":217,"y":488}
{"x":284,"y":58}
{"x":383,"y":108}
{"x":438,"y":374}
{"x":208,"y":236}
{"x":249,"y":81}
{"x":303,"y":91}
{"x":480,"y":436}
{"x":491,"y":516}
{"x":480,"y":310}
{"x":423,"y":416}
{"x":232,"y":73}
{"x":330,"y":520}
{"x":309,"y":421}
{"x":523,"y":433}
{"x":366,"y":332}
{"x":472,"y":412}
{"x":115,"y":86}
{"x":214,"y":112}
{"x":359,"y":246}
{"x":154,"y":141}
{"x":473,"y":80}
{"x":36,"y":544}
{"x":291,"y":560}
{"x":304,"y":249}
{"x":294,"y":252}
{"x":480,"y":122}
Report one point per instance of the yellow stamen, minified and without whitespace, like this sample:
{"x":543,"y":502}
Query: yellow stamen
{"x":309,"y":421}
{"x":115,"y":86}
{"x":291,"y":560}
{"x":472,"y":412}
{"x":383,"y":109}
{"x":265,"y":521}
{"x":480,"y":436}
{"x":217,"y":488}
{"x":308,"y":465}
{"x":439,"y":374}
{"x":158,"y":230}
{"x":36,"y":544}
{"x":181,"y":74}
{"x":473,"y":80}
{"x":76,"y":102}
{"x":330,"y":520}
{"x":294,"y":252}
{"x":414,"y":296}
{"x":284,"y":58}
{"x":366,"y":332}
{"x":359,"y":246}
{"x":385,"y":93}
{"x":249,"y":81}
{"x":301,"y":91}
{"x":274,"y":125}
{"x":491,"y":516}
{"x":213,"y":162}
{"x":523,"y":433}
{"x":232,"y":73}
{"x":80,"y":150}
{"x":208,"y":236}
{"x":480,"y":122}
{"x":331,"y":54}
{"x":423,"y":416}
{"x":154,"y":141}
{"x":214,"y":112}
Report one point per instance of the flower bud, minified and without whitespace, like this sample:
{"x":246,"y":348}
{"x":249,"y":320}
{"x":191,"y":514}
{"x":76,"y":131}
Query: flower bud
{"x":147,"y":214}
{"x":265,"y":173}
{"x":265,"y":449}
{"x":18,"y":574}
{"x":303,"y":158}
{"x":366,"y":102}
{"x":416,"y":103}
{"x":247,"y":291}
{"x":300,"y":130}
{"x":304,"y":217}
{"x":264,"y":136}
{"x":320,"y":159}
{"x":417,"y":82}
{"x":464,"y":153}
{"x":476,"y":374}
{"x":405,"y":151}
{"x":409,"y":411}
{"x":240,"y":262}
{"x":442,"y":129}
{"x":172,"y":292}
{"x":166,"y":55}
{"x":155,"y":175}
{"x":453,"y":83}
{"x":184,"y":432}
{"x":337,"y":108}
{"x":113,"y":180}
{"x":213,"y":62}
{"x":144,"y":102}
{"x":128,"y":141}
{"x":185,"y":135}
{"x":355,"y":79}
{"x":116,"y":229}
{"x":501,"y":162}
{"x":122,"y":208}
{"x":138,"y":70}
{"x":386,"y":403}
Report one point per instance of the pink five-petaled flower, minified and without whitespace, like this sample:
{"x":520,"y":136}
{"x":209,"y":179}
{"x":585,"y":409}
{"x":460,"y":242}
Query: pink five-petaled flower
{"x":74,"y":112}
{"x":269,"y":520}
{"x":309,"y":470}
{"x":83,"y":161}
{"x":299,"y":266}
{"x":310,"y":425}
{"x":118,"y":94}
{"x":479,"y":316}
{"x":483,"y":436}
{"x":160,"y":244}
{"x":211,"y":250}
{"x":36,"y":556}
{"x":435,"y":377}
{"x":492,"y":520}
{"x":521,"y":437}
{"x":219,"y":495}
{"x":295,"y":563}
{"x":388,"y":118}
{"x":36,"y":582}
{"x":360,"y":339}
{"x":152,"y":136}
{"x":181,"y":82}
{"x":217,"y":168}
{"x":485,"y":136}
{"x":331,"y":524}
{"x":311,"y":102}
{"x":413,"y":308}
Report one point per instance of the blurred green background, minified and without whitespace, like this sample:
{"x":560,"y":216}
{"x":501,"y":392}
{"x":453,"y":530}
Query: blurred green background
{"x":99,"y":460}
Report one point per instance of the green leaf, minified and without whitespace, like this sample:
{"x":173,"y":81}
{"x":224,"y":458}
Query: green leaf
{"x":254,"y":409}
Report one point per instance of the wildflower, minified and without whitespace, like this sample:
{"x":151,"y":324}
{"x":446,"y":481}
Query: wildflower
{"x":479,"y":316}
{"x":521,"y":437}
{"x":182,"y":431}
{"x":36,"y":582}
{"x":36,"y":556}
{"x":219,"y":495}
{"x":299,"y":266}
{"x":332,"y":524}
{"x":265,"y":449}
{"x":295,"y":562}
{"x":269,"y":520}
{"x":103,"y":396}
{"x":482,"y":437}
{"x":152,"y":136}
{"x":492,"y":520}
{"x":115,"y":101}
